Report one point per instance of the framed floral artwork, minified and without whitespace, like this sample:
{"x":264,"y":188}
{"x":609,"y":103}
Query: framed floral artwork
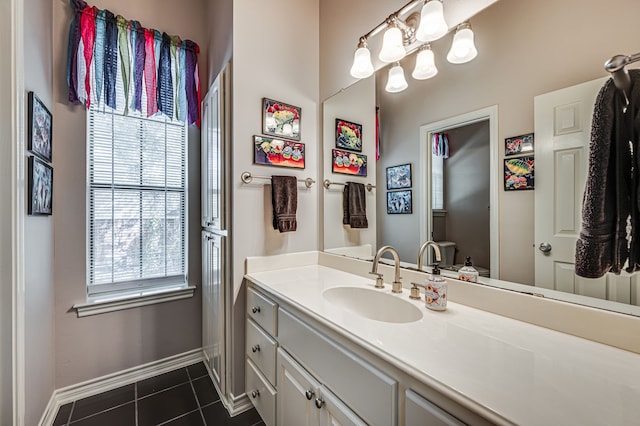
{"x":515,"y":145}
{"x":518,"y":173}
{"x":39,"y":129}
{"x":280,"y":119}
{"x":348,"y":135}
{"x":349,"y":163}
{"x":278,"y":152}
{"x":399,"y":177}
{"x":40,"y":181}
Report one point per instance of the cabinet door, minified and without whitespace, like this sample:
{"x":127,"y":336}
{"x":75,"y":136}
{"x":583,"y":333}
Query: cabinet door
{"x":420,"y":411}
{"x":213,"y":137}
{"x":334,"y":412}
{"x":297,"y":392}
{"x":213,"y":310}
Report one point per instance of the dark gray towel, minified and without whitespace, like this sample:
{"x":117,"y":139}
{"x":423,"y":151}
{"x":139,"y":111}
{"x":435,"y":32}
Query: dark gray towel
{"x":354,"y":205}
{"x":611,"y":194}
{"x":284,"y":198}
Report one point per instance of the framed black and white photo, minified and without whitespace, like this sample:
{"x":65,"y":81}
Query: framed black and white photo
{"x":399,"y":202}
{"x":40,"y":181}
{"x":399,"y":177}
{"x":39,"y":137}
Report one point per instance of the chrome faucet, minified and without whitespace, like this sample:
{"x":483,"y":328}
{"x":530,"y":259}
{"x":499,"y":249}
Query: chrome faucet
{"x":396,"y":286}
{"x":436,"y":250}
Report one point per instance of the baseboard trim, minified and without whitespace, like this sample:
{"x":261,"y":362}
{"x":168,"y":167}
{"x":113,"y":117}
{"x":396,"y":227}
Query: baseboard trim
{"x":234,"y":404}
{"x":116,"y":380}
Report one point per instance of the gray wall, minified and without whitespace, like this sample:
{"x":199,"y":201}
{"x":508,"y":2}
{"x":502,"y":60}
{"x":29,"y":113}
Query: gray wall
{"x":466,"y":193}
{"x":39,"y":230}
{"x":6,"y":193}
{"x":90,"y":347}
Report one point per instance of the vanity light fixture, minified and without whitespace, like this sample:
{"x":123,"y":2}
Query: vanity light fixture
{"x":406,"y":31}
{"x":396,"y":81}
{"x":392,"y":45}
{"x":425,"y":64}
{"x":362,"y":66}
{"x":462,"y":48}
{"x":432,"y":24}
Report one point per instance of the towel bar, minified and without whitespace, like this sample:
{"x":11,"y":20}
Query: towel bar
{"x":327,"y":183}
{"x":248,"y":177}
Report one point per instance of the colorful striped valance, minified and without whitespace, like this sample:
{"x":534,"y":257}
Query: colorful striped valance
{"x":108,"y":54}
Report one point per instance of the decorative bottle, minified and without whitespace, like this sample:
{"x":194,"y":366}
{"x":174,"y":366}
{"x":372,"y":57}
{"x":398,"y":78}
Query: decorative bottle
{"x":468,"y":272}
{"x":435,"y":290}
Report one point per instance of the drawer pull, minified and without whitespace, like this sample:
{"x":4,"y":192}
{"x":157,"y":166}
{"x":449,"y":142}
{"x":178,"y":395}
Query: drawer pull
{"x":255,"y":348}
{"x":255,"y":309}
{"x":319,"y":402}
{"x":309,"y":394}
{"x":255,"y":394}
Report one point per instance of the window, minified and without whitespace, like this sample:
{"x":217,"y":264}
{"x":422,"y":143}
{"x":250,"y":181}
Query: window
{"x":136,"y":202}
{"x":437,"y":182}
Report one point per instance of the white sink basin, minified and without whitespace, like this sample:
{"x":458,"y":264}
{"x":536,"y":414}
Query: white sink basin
{"x":373,"y":304}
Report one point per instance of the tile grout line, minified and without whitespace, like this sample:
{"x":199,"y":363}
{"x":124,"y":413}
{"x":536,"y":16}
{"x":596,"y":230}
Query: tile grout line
{"x":193,"y":389}
{"x":135,"y":401}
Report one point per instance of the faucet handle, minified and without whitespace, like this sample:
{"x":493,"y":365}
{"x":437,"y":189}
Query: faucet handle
{"x":379,"y":279}
{"x":415,"y":291}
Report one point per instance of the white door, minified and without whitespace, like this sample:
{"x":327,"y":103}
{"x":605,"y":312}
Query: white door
{"x":334,"y":412}
{"x":562,"y":132}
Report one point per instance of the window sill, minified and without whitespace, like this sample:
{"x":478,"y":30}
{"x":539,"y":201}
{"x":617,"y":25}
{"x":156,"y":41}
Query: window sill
{"x":102,"y":304}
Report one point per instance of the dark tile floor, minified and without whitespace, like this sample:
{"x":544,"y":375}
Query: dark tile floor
{"x":183,"y":397}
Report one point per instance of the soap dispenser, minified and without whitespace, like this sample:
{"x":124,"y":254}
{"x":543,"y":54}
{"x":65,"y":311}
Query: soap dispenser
{"x":435,"y":294}
{"x":468,"y":272}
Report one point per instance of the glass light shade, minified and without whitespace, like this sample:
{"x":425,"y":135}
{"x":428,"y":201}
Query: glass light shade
{"x":392,"y":47}
{"x":462,"y":49}
{"x":396,"y":82}
{"x":425,"y":65}
{"x":432,"y":24}
{"x":362,"y":66}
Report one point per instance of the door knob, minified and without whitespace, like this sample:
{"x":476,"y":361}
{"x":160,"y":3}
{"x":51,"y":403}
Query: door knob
{"x":255,"y":309}
{"x":545,"y":248}
{"x":255,"y":348}
{"x":309,"y":394}
{"x":255,"y":393}
{"x":319,"y":402}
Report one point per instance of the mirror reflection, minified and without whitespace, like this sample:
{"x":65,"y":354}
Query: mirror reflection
{"x":526,"y":50}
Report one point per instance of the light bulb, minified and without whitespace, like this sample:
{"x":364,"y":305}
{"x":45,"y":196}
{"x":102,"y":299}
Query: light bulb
{"x":425,"y":65}
{"x":462,"y":48}
{"x":362,"y":66}
{"x":396,"y":81}
{"x":392,"y":47}
{"x":432,"y":24}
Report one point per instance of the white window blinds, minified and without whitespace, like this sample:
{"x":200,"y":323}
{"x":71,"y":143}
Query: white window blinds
{"x":136,"y":202}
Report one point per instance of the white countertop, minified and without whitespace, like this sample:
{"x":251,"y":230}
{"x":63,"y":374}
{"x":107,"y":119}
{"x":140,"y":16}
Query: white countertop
{"x":528,"y":375}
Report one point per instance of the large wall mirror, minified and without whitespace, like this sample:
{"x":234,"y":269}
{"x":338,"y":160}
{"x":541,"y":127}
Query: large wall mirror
{"x":539,"y":64}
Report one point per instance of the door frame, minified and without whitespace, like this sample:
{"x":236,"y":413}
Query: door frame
{"x":426,"y":220}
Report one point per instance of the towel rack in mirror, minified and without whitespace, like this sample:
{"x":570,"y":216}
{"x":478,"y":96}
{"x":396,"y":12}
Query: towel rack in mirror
{"x":248,"y":177}
{"x":327,"y":183}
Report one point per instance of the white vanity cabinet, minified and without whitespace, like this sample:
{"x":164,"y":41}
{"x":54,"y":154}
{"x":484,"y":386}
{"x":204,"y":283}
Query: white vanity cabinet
{"x":302,"y":373}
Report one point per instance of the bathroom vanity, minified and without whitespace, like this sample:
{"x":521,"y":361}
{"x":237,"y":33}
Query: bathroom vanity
{"x":324,"y":347}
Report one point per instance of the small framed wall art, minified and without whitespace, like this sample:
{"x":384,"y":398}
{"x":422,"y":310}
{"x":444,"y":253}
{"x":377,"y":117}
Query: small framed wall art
{"x":39,"y":136}
{"x":349,"y":163}
{"x":399,"y":177}
{"x":40,"y":187}
{"x":278,"y":152}
{"x":516,"y":145}
{"x":348,"y":135}
{"x":280,"y":119}
{"x":399,"y":202}
{"x":518,"y":173}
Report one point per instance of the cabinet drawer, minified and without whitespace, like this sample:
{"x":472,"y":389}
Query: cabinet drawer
{"x":261,"y":394}
{"x":365,"y":389}
{"x":261,"y":349}
{"x":263,"y":311}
